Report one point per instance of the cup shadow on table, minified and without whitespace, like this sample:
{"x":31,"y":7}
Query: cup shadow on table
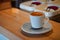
{"x":37,"y":35}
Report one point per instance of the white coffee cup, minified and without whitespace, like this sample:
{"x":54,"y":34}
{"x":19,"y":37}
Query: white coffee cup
{"x":38,"y":21}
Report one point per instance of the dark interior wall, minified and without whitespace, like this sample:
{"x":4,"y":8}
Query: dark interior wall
{"x":1,"y":1}
{"x":4,"y":1}
{"x":4,"y":4}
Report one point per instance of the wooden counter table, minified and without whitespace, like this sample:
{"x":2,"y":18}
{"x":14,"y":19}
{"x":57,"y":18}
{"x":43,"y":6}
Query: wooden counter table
{"x":13,"y":19}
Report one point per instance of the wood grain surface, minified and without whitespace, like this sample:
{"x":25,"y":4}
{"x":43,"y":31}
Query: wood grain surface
{"x":13,"y":19}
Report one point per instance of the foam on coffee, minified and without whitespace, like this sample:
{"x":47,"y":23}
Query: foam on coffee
{"x":37,"y":14}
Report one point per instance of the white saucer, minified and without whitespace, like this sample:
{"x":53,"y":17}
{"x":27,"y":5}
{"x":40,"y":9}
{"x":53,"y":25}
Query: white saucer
{"x":27,"y":28}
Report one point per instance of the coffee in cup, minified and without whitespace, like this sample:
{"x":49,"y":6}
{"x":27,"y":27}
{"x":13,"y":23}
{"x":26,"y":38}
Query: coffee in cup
{"x":37,"y":14}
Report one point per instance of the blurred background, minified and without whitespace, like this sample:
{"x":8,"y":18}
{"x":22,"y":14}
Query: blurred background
{"x":5,"y":4}
{"x":9,"y":3}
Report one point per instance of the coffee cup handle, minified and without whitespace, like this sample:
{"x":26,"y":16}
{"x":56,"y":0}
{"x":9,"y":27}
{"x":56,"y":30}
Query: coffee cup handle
{"x":46,"y":20}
